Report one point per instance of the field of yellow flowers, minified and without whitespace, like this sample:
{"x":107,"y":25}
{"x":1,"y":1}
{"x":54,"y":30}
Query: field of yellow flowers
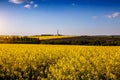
{"x":59,"y":62}
{"x":50,"y":37}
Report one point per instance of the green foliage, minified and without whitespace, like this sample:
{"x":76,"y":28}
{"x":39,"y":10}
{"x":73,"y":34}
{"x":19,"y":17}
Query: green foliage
{"x":67,"y":40}
{"x":19,"y":40}
{"x":86,"y":40}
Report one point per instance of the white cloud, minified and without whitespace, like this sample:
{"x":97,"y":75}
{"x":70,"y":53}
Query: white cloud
{"x":28,"y":6}
{"x":35,"y":5}
{"x":114,"y":15}
{"x":31,"y":2}
{"x":17,"y":1}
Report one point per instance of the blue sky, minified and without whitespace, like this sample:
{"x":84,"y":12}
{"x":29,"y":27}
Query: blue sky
{"x":71,"y":17}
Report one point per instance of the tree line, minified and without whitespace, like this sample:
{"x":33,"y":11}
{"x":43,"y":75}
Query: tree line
{"x":86,"y":40}
{"x":79,"y":40}
{"x":19,"y":40}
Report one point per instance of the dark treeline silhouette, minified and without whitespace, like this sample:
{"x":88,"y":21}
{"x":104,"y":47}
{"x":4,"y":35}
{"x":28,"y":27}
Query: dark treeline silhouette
{"x":19,"y":40}
{"x":86,"y":40}
{"x":77,"y":40}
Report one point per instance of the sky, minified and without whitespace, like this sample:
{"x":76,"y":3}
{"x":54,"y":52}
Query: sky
{"x":70,"y":17}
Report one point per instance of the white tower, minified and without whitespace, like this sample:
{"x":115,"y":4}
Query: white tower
{"x":58,"y":33}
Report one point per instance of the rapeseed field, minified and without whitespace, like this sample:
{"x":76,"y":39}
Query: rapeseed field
{"x":59,"y":62}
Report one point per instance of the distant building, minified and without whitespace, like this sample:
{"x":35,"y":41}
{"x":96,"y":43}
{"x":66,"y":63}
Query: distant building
{"x":58,"y":33}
